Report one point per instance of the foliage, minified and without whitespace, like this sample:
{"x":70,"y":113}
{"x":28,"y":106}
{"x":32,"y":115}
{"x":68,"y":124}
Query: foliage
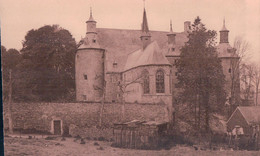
{"x":47,"y":67}
{"x":201,"y":78}
{"x":10,"y":62}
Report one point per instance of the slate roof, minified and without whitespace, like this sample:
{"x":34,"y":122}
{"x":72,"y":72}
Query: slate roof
{"x":151,"y":55}
{"x":121,"y":42}
{"x":251,"y":114}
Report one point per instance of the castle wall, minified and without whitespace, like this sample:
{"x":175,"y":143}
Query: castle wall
{"x":81,"y":116}
{"x":112,"y":90}
{"x":89,"y":76}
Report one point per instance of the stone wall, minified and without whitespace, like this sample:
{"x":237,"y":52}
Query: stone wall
{"x":80,"y":118}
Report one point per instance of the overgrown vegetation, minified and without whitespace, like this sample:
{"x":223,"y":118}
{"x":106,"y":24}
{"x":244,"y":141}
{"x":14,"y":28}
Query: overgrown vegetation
{"x":201,"y":78}
{"x":44,"y":68}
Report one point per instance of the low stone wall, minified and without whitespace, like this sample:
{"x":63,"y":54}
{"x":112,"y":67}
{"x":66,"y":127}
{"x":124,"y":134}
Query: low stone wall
{"x":79,"y":118}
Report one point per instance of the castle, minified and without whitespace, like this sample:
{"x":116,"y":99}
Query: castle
{"x":136,"y":66}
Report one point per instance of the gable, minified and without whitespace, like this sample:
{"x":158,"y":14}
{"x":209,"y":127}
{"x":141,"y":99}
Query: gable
{"x":236,"y":119}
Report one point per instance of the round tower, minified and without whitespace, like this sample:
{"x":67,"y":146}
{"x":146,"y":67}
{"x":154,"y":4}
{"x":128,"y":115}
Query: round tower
{"x":89,"y":66}
{"x":230,"y":65}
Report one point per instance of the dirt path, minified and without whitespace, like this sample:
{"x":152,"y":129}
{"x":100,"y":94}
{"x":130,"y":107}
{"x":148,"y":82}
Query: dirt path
{"x":38,"y":146}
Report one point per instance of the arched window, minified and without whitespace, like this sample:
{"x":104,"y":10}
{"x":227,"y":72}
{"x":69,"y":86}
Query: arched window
{"x":146,"y":82}
{"x":159,"y":81}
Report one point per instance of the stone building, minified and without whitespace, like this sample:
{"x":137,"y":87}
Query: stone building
{"x":136,"y":66}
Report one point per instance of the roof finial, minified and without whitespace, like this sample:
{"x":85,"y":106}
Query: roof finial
{"x":144,"y":3}
{"x":171,"y":26}
{"x":91,"y":17}
{"x":91,"y":11}
{"x":224,"y":24}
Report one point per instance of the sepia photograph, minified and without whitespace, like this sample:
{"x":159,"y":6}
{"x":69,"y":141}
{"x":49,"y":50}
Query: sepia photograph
{"x":130,"y":77}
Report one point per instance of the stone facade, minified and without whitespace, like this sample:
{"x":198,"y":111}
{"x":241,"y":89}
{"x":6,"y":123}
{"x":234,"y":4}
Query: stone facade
{"x":119,"y":62}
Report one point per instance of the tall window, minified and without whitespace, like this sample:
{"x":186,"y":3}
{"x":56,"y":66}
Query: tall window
{"x":160,"y":81}
{"x":146,"y":82}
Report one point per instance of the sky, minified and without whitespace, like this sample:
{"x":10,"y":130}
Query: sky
{"x":242,"y":17}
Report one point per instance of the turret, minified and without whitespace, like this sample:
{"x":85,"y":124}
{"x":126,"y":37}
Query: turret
{"x":171,"y":39}
{"x":145,"y":36}
{"x":91,"y":24}
{"x":224,"y":34}
{"x":89,"y":66}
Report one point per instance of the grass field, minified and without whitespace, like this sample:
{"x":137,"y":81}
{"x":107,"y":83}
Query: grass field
{"x":39,"y":146}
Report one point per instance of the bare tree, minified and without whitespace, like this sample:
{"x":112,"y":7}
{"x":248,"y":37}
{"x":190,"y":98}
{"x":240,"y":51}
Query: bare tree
{"x":123,"y":84}
{"x":256,"y":81}
{"x":239,"y":55}
{"x":247,"y":86}
{"x":102,"y":89}
{"x":10,"y":120}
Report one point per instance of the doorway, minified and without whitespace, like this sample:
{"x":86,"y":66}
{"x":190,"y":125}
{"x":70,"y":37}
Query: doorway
{"x":57,"y":127}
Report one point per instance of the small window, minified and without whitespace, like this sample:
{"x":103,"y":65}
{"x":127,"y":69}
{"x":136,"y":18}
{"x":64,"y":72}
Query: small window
{"x":175,"y":61}
{"x":85,"y":76}
{"x":113,"y":101}
{"x":84,"y":97}
{"x":176,"y":73}
{"x":173,"y":49}
{"x":114,"y":65}
{"x":146,"y":38}
{"x":94,"y":41}
{"x":229,"y":70}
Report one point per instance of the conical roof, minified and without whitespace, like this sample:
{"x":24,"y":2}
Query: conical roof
{"x":224,"y":26}
{"x":145,"y":28}
{"x":151,"y":55}
{"x":91,"y":19}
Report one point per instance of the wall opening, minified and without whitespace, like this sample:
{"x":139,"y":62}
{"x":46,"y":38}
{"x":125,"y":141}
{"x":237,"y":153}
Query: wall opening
{"x":57,"y":127}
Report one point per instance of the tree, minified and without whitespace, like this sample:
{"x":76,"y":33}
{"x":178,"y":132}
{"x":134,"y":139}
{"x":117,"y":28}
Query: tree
{"x":101,"y":87}
{"x":48,"y":63}
{"x":10,"y":60}
{"x":247,"y":86}
{"x":201,"y":78}
{"x":123,"y":84}
{"x":240,"y":55}
{"x":256,"y":80}
{"x":250,"y":79}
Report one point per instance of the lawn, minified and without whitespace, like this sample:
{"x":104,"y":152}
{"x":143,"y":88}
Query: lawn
{"x":39,"y":146}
